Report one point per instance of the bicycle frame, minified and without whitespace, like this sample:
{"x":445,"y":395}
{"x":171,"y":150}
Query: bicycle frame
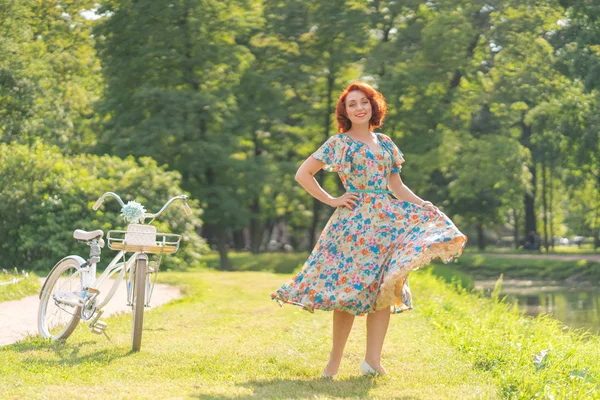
{"x":88,"y":274}
{"x":113,"y":267}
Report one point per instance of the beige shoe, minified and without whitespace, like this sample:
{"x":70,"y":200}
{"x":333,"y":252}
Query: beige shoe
{"x":324,"y":375}
{"x":366,"y":369}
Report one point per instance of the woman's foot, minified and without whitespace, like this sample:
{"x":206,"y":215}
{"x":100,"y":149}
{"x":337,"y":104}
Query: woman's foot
{"x":325,"y":376}
{"x":367,"y":369}
{"x":331,"y":370}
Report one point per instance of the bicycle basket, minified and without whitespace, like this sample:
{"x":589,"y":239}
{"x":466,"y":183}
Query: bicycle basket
{"x":143,"y":238}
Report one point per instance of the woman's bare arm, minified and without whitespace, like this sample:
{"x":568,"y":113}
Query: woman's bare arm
{"x":401,"y":191}
{"x":305,"y":176}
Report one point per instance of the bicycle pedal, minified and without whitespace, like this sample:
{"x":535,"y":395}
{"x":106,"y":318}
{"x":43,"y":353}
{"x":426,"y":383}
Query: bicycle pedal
{"x":99,"y":327}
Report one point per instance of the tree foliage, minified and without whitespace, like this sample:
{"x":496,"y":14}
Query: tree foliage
{"x":46,"y":195}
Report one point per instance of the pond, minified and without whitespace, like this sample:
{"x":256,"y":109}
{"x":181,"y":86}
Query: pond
{"x":576,"y":305}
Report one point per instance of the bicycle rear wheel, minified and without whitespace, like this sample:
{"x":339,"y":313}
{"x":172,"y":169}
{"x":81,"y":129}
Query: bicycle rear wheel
{"x":59,"y":320}
{"x":139,"y":300}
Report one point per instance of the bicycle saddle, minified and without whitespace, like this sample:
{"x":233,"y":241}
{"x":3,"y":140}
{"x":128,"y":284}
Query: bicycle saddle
{"x":80,"y":234}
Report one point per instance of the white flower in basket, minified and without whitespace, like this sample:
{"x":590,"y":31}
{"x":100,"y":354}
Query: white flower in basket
{"x":133,"y":212}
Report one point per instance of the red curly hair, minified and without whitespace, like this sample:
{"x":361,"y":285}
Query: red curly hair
{"x":378,"y":106}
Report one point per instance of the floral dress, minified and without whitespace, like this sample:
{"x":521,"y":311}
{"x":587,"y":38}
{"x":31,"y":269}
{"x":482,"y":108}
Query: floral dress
{"x":362,"y":259}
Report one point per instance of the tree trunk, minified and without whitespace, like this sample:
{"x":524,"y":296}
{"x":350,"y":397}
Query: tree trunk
{"x":596,"y":215}
{"x":545,"y":203}
{"x":516,"y":228}
{"x":238,"y":240}
{"x":225,"y":262}
{"x":550,"y":193}
{"x":480,"y":237}
{"x":256,"y":228}
{"x":317,"y":205}
{"x":529,"y":198}
{"x":267,"y":233}
{"x":207,"y":232}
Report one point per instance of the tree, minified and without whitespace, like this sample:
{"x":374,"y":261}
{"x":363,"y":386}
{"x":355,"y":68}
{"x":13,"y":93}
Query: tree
{"x":49,"y":73}
{"x":170,"y":70}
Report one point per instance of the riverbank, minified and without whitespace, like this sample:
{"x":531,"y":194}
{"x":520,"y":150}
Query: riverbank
{"x":528,"y":357}
{"x":570,"y":268}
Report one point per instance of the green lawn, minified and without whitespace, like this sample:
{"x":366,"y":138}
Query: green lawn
{"x":227,"y":339}
{"x":27,"y":285}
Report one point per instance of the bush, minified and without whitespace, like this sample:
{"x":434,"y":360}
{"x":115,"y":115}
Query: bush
{"x":46,"y":195}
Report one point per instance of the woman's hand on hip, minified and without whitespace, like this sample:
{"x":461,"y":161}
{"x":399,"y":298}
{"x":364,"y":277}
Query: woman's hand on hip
{"x":430,"y":207}
{"x":348,"y":200}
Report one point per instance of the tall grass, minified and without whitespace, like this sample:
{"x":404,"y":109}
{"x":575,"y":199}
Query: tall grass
{"x":529,"y":357}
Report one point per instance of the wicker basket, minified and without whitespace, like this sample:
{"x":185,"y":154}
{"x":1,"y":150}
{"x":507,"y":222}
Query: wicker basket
{"x":143,"y":238}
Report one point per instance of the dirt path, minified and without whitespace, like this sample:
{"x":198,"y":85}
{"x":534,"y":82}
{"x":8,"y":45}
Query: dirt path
{"x":19,"y":317}
{"x":568,"y":257}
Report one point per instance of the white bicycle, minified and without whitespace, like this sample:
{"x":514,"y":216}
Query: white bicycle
{"x":71,"y":292}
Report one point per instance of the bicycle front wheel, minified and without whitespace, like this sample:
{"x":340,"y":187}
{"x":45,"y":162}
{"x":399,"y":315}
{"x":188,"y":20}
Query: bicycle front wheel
{"x":58,"y":320}
{"x":139,"y":300}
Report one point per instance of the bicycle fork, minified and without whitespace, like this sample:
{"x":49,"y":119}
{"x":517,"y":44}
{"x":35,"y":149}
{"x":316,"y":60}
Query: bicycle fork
{"x":130,"y":280}
{"x":152,"y":270}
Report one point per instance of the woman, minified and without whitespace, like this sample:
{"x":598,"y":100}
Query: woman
{"x":361,"y":262}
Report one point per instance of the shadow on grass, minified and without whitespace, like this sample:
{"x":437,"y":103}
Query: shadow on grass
{"x":66,"y":353}
{"x":354,"y":387}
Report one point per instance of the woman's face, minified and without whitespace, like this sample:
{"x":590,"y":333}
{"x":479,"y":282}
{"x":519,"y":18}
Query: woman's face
{"x":358,"y":107}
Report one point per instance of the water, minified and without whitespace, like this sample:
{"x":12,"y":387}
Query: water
{"x":576,"y":305}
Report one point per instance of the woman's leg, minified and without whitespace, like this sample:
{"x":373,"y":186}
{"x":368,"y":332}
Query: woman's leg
{"x":377,"y":324}
{"x":342,"y":324}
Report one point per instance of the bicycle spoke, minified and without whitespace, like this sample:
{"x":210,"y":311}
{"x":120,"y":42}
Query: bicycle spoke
{"x":58,"y":316}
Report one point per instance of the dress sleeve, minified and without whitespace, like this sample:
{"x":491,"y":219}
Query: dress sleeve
{"x":397,"y":155}
{"x":334,"y":153}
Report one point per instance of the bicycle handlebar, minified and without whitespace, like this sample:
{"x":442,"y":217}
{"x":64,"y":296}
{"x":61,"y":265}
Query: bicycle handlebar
{"x":99,"y":202}
{"x":182,"y":197}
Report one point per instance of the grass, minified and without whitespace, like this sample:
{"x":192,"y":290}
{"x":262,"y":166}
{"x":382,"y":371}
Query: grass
{"x":245,"y":261}
{"x":479,"y":265}
{"x":529,"y":358}
{"x":29,"y":285}
{"x":469,"y":266}
{"x":286,"y":263}
{"x":227,"y":339}
{"x":558,"y":250}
